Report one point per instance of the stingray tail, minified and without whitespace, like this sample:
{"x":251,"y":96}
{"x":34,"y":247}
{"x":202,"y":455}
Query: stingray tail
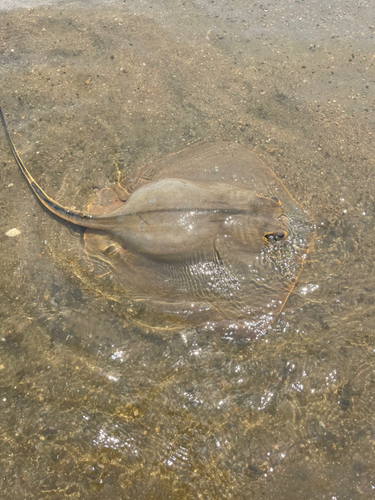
{"x":74,"y":216}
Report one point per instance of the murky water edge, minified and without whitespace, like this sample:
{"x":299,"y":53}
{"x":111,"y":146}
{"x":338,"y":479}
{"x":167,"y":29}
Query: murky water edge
{"x":96,"y":403}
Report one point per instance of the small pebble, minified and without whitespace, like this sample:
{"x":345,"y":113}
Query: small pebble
{"x":13,"y":232}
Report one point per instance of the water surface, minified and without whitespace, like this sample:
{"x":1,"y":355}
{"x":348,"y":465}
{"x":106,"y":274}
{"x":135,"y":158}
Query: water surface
{"x":95,"y":403}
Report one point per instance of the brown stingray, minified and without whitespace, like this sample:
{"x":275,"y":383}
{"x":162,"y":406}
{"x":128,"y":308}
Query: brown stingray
{"x":209,"y":237}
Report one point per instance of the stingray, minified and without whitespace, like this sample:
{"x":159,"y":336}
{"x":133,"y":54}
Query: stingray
{"x":207,"y":237}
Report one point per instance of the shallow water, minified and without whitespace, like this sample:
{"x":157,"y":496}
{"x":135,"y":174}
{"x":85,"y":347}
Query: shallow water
{"x":94,"y":402}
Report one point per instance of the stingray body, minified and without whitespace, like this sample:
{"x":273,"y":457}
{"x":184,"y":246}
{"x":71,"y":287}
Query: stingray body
{"x":207,"y":237}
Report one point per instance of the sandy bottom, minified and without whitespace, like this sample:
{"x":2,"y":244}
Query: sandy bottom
{"x":98,"y":400}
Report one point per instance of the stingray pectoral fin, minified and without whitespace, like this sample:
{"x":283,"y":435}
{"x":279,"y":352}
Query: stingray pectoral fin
{"x":74,"y":216}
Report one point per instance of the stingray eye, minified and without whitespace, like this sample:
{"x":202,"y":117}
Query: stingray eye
{"x":277,"y":236}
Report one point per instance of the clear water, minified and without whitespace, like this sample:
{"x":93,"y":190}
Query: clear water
{"x":94,"y":403}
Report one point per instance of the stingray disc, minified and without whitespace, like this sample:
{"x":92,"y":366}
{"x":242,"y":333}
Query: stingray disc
{"x":216,"y":239}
